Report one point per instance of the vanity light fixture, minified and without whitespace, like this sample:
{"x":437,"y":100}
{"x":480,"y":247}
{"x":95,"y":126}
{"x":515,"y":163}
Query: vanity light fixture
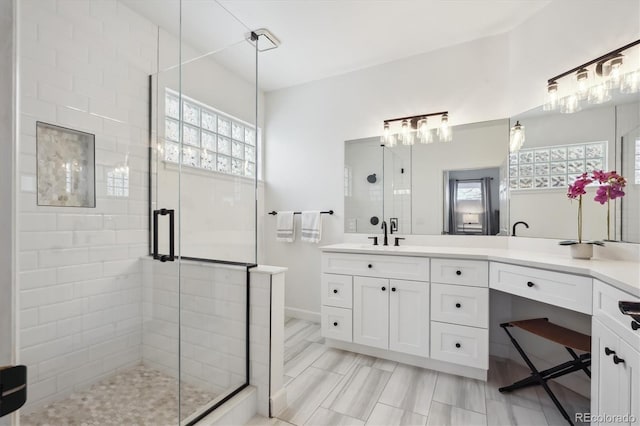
{"x":516,"y":137}
{"x":596,"y":80}
{"x":416,"y":128}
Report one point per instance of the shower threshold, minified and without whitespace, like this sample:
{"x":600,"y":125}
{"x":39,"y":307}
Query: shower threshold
{"x":136,"y":396}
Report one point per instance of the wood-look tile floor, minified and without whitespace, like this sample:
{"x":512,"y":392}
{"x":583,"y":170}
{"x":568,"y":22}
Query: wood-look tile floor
{"x":330,"y":387}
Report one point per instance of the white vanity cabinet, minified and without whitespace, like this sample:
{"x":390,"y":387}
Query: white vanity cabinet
{"x":391,"y":314}
{"x":615,"y":360}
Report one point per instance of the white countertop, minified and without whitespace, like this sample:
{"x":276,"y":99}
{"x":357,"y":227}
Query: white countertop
{"x":624,"y":275}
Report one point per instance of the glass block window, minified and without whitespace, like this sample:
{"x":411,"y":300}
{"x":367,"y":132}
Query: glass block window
{"x":118,"y":182}
{"x":211,"y":139}
{"x":555,"y":167}
{"x":637,"y":165}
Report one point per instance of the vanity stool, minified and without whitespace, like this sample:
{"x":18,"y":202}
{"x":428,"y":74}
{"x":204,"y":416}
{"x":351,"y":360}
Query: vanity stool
{"x":570,"y":339}
{"x":13,"y":388}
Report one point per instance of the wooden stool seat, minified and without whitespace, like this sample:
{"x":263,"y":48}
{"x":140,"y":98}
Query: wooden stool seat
{"x":556,"y":333}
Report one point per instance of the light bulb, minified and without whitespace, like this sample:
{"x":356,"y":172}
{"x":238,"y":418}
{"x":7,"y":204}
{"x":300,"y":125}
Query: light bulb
{"x":444,"y":131}
{"x":516,"y":137}
{"x":386,"y":133}
{"x":552,"y":96}
{"x":582,"y":76}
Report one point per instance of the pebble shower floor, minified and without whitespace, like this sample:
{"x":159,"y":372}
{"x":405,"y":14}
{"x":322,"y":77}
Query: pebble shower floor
{"x":136,"y":396}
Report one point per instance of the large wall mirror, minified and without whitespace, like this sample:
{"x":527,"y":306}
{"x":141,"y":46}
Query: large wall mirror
{"x":557,"y":148}
{"x":456,"y":187}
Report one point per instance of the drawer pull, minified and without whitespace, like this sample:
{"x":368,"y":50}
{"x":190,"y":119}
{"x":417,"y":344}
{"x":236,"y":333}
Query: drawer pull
{"x":458,"y":305}
{"x":335,"y":291}
{"x":617,"y":360}
{"x":458,"y":272}
{"x":530,"y":284}
{"x":635,"y":325}
{"x":393,"y":289}
{"x":384,"y":288}
{"x":370,"y":266}
{"x":458,"y":345}
{"x":335,"y":324}
{"x":608,"y":351}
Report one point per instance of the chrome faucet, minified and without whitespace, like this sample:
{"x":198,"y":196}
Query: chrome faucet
{"x":513,"y":231}
{"x":386,"y":236}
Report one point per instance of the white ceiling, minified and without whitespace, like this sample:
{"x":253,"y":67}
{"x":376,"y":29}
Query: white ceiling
{"x":323,"y":38}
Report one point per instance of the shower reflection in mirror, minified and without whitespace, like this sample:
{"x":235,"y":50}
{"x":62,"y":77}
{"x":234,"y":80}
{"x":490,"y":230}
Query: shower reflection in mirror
{"x":471,"y":202}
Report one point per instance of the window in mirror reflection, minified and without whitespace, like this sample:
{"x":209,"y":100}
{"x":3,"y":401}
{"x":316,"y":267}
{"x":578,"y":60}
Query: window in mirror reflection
{"x":473,"y":206}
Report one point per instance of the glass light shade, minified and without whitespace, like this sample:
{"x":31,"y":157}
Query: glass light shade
{"x":444,"y":132}
{"x":615,"y":72}
{"x":516,"y":137}
{"x":599,"y":93}
{"x":552,"y":96}
{"x":582,"y":76}
{"x":404,"y":130}
{"x":570,"y":104}
{"x":426,"y":137}
{"x":630,"y":82}
{"x":391,"y":141}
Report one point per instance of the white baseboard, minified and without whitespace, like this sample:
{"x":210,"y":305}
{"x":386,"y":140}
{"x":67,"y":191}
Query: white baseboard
{"x":278,"y":402}
{"x":302,"y":314}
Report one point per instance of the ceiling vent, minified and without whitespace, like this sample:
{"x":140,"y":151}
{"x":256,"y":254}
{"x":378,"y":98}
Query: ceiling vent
{"x":265,"y":38}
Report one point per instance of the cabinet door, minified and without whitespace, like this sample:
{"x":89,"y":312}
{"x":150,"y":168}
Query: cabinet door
{"x":629,"y":383}
{"x":409,"y":317}
{"x":605,"y":374}
{"x":371,"y":311}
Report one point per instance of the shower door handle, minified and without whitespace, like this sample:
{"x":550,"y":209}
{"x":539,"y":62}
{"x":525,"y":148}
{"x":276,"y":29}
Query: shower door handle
{"x":164,"y":257}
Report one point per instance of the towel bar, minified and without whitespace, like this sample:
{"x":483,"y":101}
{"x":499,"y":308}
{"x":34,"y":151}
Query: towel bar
{"x":273,"y":213}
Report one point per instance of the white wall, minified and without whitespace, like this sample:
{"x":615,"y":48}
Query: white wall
{"x":485,"y":79}
{"x":79,"y":272}
{"x":6,"y":180}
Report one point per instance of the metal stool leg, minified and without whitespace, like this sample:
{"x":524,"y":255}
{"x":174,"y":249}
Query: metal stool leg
{"x":535,"y":376}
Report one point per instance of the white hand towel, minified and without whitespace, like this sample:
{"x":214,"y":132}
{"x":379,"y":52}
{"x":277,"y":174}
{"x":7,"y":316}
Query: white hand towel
{"x":311,"y":227}
{"x":285,"y":230}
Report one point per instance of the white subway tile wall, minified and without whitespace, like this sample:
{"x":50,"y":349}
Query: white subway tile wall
{"x":84,"y":65}
{"x":212,"y":318}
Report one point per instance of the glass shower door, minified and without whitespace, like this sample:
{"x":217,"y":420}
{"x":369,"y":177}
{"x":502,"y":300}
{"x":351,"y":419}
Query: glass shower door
{"x":204,"y":168}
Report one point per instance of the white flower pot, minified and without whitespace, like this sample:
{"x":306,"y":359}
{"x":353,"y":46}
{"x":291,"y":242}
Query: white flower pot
{"x":582,"y":251}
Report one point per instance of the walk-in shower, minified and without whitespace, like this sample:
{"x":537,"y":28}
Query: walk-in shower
{"x":136,"y":311}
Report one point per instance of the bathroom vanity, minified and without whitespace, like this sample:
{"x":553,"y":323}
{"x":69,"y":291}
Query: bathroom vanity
{"x":429,"y":307}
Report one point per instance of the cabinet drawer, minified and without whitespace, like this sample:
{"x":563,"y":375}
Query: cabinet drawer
{"x":337,"y":290}
{"x":463,"y":272}
{"x":605,"y":308}
{"x":336,"y":323}
{"x":460,"y":305}
{"x":460,"y":344}
{"x":399,"y":267}
{"x":555,"y":288}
